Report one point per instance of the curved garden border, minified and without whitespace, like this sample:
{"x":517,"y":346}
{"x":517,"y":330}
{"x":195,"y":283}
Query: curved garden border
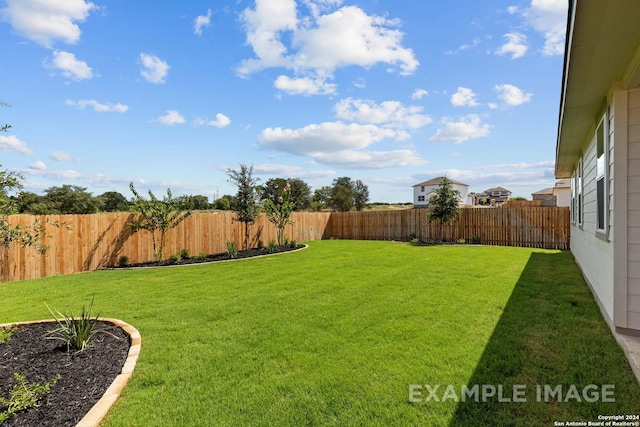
{"x":100,"y":409}
{"x":304,"y":246}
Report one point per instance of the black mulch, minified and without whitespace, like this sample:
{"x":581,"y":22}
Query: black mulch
{"x":223,"y":256}
{"x":85,"y":375}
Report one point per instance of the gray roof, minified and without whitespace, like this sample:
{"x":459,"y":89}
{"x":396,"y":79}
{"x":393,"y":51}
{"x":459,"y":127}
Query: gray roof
{"x":438,"y":181}
{"x":545,"y":191}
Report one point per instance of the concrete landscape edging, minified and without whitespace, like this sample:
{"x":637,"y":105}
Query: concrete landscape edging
{"x":97,"y":413}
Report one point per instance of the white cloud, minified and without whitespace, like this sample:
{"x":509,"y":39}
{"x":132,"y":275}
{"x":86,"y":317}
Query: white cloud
{"x":70,"y":67}
{"x":324,"y":137}
{"x":172,"y":117}
{"x":512,"y":95}
{"x":314,"y":46}
{"x":340,"y":144}
{"x":11,"y":143}
{"x":352,"y":159}
{"x":220,"y":121}
{"x":516,"y":45}
{"x":61,"y":156}
{"x":464,"y":129}
{"x":154,"y":70}
{"x":289,"y":171}
{"x":45,"y":21}
{"x":419,"y":94}
{"x":549,"y":17}
{"x":512,"y":10}
{"x":388,"y":113}
{"x":201,"y":21}
{"x":39,"y":165}
{"x":304,"y":86}
{"x":464,"y":97}
{"x":81,"y":104}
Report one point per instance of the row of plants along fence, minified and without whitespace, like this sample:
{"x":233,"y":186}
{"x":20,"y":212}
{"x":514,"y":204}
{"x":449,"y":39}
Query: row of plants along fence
{"x":90,"y":242}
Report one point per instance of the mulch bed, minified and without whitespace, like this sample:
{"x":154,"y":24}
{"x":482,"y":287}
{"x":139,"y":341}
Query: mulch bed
{"x":223,"y":256}
{"x":85,"y":376}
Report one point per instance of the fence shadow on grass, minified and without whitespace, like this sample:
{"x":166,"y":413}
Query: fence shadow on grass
{"x":551,"y":333}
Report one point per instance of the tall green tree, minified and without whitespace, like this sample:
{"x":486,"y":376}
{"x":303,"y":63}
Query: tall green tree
{"x":157,"y":216}
{"x":299,"y":191}
{"x":360,"y":195}
{"x":246,"y":201}
{"x":445,"y":204}
{"x":342,"y":194}
{"x":112,"y":201}
{"x":321,"y":198}
{"x":279,"y":212}
{"x":71,"y":199}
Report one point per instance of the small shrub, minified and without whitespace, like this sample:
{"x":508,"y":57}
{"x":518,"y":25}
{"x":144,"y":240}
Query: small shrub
{"x":201,"y":256}
{"x":462,"y":241}
{"x":184,"y":253}
{"x":232,"y":249}
{"x":476,"y":240}
{"x":174,"y":258}
{"x":412,"y":237}
{"x":415,"y":241}
{"x":272,"y":246}
{"x":260,"y":244}
{"x":5,"y":333}
{"x":24,"y":395}
{"x":123,"y":261}
{"x":76,"y":332}
{"x":293,"y":244}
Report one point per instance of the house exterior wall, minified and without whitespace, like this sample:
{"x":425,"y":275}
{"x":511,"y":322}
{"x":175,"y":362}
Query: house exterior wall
{"x":563,"y":196}
{"x":633,"y":211}
{"x":430,"y":189}
{"x":593,"y":254}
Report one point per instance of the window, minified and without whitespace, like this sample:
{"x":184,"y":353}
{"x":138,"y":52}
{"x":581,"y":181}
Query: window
{"x":579,"y":192}
{"x":422,"y":189}
{"x":573,"y":198}
{"x":600,"y":177}
{"x":421,"y":198}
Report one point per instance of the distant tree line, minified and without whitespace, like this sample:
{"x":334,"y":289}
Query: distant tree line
{"x":343,"y":195}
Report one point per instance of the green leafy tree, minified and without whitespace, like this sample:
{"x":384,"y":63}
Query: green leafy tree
{"x":25,"y":236}
{"x":112,"y":201}
{"x":299,"y":191}
{"x":360,"y":195}
{"x":224,"y":203}
{"x":342,"y":194}
{"x":157,"y":216}
{"x":279,"y":212}
{"x":445,"y":204}
{"x":71,"y":199}
{"x":246,"y":201}
{"x":321,"y":198}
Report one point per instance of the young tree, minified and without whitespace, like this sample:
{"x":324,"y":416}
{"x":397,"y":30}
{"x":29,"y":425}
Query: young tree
{"x":279,"y":212}
{"x":445,"y":204}
{"x":246,"y":201}
{"x":299,"y":193}
{"x":157,"y":216}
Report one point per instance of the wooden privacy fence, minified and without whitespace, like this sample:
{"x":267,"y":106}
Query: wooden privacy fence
{"x":538,"y":227}
{"x":97,"y":241}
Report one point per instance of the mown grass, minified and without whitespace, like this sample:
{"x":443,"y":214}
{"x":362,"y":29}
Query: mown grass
{"x":337,"y":333}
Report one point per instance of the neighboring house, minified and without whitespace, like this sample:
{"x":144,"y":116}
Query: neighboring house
{"x":598,"y":149}
{"x":558,"y":195}
{"x":425,"y":190}
{"x":493,"y":196}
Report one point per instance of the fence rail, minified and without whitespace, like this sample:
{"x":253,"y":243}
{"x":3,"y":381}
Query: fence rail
{"x":97,"y":241}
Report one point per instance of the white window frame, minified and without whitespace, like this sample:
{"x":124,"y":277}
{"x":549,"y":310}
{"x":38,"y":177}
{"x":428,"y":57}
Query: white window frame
{"x":604,"y":140}
{"x":579,"y":193}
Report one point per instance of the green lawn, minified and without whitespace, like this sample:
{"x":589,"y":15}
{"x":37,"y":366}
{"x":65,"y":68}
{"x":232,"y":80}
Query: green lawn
{"x":336,"y":334}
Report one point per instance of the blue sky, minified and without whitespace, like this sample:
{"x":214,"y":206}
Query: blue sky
{"x":171,"y":94}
